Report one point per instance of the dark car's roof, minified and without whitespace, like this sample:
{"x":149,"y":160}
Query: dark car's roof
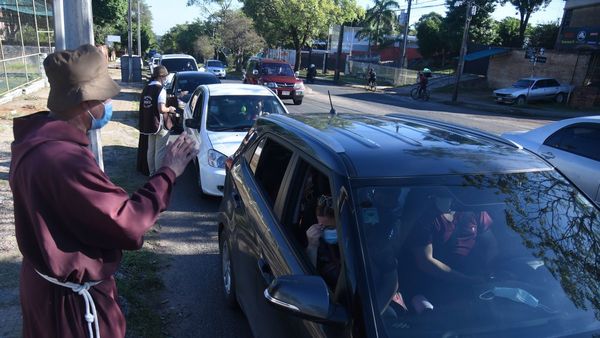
{"x":195,"y":74}
{"x":396,"y":146}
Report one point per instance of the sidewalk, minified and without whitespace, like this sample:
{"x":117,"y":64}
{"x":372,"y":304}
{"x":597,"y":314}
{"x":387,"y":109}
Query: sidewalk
{"x":487,"y":103}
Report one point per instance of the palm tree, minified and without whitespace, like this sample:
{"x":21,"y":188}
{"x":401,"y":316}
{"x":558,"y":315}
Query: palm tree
{"x":382,"y":15}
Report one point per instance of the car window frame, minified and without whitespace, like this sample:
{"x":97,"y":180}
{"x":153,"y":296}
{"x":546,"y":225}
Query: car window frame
{"x":199,"y":105}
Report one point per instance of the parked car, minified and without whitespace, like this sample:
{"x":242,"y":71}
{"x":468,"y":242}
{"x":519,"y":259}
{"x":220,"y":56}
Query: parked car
{"x":278,"y":76}
{"x":185,"y":83}
{"x":384,"y":176}
{"x":572,"y":146}
{"x":219,"y":116}
{"x":154,"y":61}
{"x":217,"y":67}
{"x":533,"y":89}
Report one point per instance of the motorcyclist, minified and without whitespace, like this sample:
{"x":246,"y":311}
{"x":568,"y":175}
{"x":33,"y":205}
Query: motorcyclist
{"x":311,"y":73}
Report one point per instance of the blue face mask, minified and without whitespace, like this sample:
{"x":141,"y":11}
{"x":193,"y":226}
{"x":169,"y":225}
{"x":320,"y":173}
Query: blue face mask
{"x":97,"y":124}
{"x":330,"y":236}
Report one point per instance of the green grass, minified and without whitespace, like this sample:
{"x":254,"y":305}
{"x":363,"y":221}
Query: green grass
{"x":140,"y":284}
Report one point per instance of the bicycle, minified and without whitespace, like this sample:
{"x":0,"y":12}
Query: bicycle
{"x":419,"y":95}
{"x":372,"y":85}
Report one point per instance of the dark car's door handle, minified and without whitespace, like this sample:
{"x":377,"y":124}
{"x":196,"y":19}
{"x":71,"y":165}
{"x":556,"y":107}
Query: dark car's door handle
{"x":548,"y":155}
{"x":265,"y":271}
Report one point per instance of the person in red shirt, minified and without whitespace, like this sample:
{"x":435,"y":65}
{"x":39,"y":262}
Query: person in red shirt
{"x":71,"y":221}
{"x":448,"y":246}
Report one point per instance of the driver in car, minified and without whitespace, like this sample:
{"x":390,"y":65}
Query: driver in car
{"x":448,"y":248}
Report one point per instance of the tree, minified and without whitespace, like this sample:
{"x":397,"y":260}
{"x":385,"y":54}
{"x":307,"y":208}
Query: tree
{"x":239,"y":37}
{"x":481,"y":29}
{"x":182,"y":38}
{"x":526,"y":8}
{"x":203,"y":47}
{"x":109,"y":17}
{"x":508,"y":32}
{"x":544,"y":35}
{"x":379,"y":18}
{"x":430,"y":35}
{"x":291,"y":21}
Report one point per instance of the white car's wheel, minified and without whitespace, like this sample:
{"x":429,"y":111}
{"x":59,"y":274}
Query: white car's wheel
{"x":560,"y":98}
{"x":521,"y":100}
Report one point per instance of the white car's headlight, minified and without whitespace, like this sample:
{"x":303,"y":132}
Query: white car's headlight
{"x":216,"y":159}
{"x":298,"y":85}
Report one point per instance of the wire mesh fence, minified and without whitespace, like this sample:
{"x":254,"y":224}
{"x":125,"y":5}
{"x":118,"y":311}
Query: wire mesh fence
{"x":26,"y":36}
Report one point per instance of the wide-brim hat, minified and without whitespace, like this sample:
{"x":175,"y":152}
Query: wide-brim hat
{"x":76,"y":76}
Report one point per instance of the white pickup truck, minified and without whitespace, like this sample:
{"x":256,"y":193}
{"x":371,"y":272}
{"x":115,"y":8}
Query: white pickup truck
{"x":533,"y":89}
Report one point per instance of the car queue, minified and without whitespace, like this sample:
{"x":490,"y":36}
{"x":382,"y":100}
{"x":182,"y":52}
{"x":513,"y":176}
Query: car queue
{"x":394,"y":197}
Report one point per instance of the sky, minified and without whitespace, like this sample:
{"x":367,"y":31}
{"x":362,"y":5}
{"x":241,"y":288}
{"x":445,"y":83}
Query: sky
{"x":168,"y":13}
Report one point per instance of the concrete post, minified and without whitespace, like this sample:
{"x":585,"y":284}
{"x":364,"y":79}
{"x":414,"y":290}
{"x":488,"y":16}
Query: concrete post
{"x":74,"y":27}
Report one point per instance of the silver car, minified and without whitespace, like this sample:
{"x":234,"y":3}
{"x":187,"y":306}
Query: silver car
{"x":572,"y":146}
{"x":533,"y":89}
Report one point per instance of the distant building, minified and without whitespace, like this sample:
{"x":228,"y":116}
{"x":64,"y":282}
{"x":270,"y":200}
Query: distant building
{"x":580,"y":27}
{"x":580,"y":33}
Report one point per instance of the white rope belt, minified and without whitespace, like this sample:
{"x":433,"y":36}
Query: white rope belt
{"x":83,"y":291}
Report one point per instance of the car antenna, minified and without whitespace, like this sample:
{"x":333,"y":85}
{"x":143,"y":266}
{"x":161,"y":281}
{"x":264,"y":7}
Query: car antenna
{"x":332,"y":112}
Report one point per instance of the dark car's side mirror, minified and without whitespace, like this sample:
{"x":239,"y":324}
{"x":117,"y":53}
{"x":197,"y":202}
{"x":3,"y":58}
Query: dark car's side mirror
{"x":305,"y":296}
{"x":192,"y":123}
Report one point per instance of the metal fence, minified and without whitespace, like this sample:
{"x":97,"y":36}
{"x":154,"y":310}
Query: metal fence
{"x":26,"y":36}
{"x":397,"y":76}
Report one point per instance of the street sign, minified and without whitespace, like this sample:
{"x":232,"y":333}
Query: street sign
{"x":540,"y":59}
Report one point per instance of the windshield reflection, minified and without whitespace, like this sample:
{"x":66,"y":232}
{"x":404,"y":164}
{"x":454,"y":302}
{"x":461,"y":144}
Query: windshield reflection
{"x":496,"y":255}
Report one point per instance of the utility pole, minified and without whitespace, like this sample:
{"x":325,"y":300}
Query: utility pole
{"x":139,"y":32}
{"x":463,"y":48}
{"x":338,"y":60}
{"x":129,"y":43}
{"x":73,"y":22}
{"x":403,"y":56}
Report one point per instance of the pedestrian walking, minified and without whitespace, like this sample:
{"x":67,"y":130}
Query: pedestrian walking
{"x":71,"y":221}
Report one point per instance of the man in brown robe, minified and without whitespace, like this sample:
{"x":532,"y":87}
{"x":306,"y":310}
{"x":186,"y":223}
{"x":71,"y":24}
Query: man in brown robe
{"x":71,"y":221}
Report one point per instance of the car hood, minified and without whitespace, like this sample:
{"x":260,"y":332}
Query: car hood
{"x":226,"y":142}
{"x":511,"y":90}
{"x":275,"y":78}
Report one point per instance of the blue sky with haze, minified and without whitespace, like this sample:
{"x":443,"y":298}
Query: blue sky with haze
{"x":168,"y":13}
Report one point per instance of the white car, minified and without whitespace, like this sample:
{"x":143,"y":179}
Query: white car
{"x":572,"y":146}
{"x":216,"y":67}
{"x":219,"y":117}
{"x":533,"y":89}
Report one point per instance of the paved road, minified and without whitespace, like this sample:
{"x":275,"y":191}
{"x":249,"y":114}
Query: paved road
{"x":189,"y":230}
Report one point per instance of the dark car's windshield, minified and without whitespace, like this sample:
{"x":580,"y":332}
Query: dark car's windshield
{"x":238,"y":112}
{"x":279,"y":69}
{"x":217,"y":64}
{"x":512,"y":255}
{"x":179,"y":65}
{"x":523,"y":84}
{"x":185,"y":86}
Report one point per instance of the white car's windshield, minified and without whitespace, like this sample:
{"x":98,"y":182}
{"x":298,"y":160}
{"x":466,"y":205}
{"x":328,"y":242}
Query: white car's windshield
{"x":523,"y":84}
{"x":217,"y":64}
{"x":238,"y":112}
{"x":512,"y":255}
{"x":178,"y":65}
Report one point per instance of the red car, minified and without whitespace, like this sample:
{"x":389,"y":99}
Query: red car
{"x":278,"y":76}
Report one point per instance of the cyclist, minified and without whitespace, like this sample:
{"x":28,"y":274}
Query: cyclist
{"x":372,"y":78}
{"x":423,"y":80}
